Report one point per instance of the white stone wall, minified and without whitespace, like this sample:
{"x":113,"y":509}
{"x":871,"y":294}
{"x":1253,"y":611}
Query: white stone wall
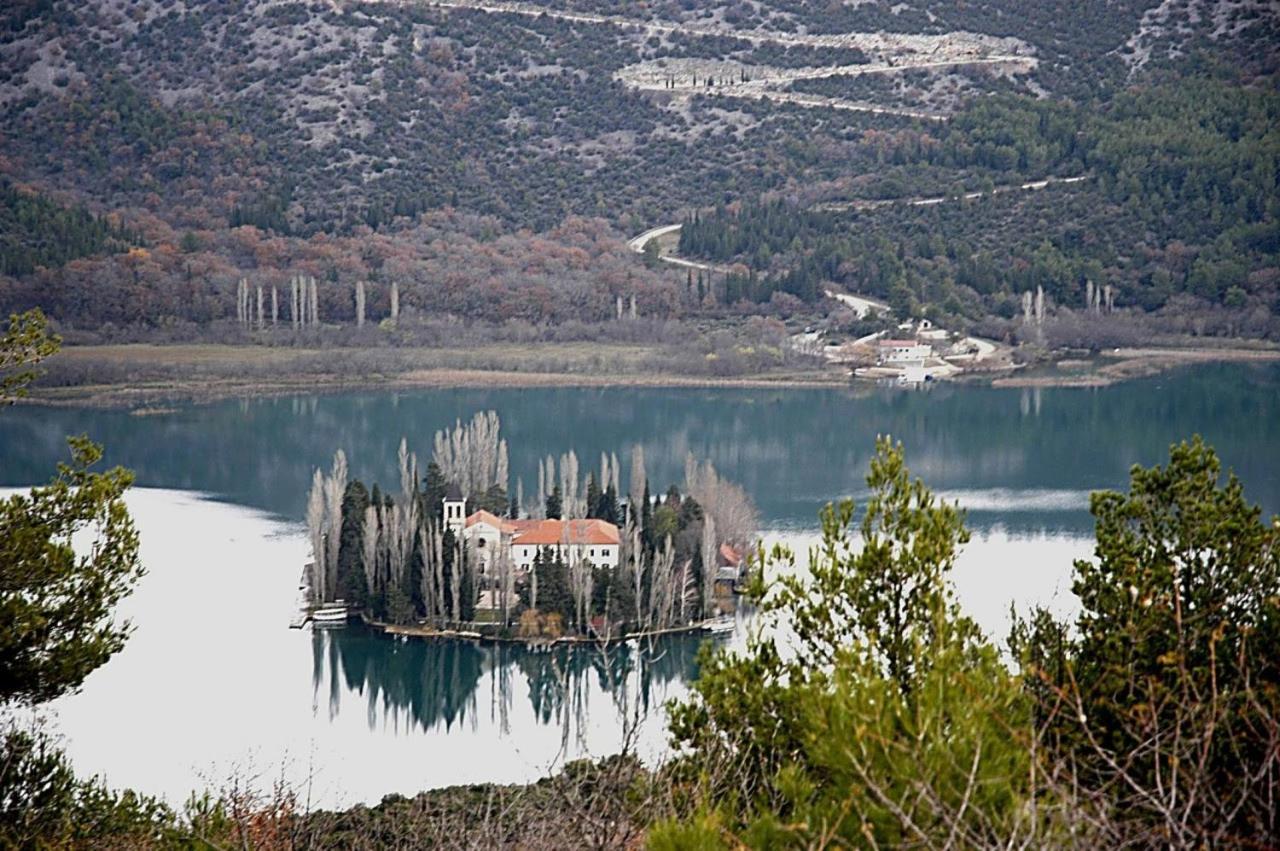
{"x":601,"y":555}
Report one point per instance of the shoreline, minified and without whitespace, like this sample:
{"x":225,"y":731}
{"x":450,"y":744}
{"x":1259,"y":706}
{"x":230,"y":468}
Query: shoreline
{"x":537,"y":643}
{"x":1127,"y":364}
{"x":150,"y":398}
{"x":183,"y":381}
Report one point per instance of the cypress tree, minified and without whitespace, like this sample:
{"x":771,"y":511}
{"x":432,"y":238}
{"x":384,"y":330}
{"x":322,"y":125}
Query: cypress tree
{"x":351,"y":581}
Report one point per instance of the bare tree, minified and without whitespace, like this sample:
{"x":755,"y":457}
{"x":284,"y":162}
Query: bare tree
{"x":502,"y":473}
{"x":395,"y":301}
{"x":504,"y":572}
{"x":573,"y":505}
{"x":632,"y":558}
{"x":316,"y":532}
{"x":580,"y":578}
{"x":244,"y":313}
{"x":639,"y":481}
{"x":360,"y":304}
{"x":369,"y":550}
{"x":407,"y":464}
{"x":735,"y":515}
{"x":324,"y":526}
{"x":664,"y":587}
{"x":455,"y":577}
{"x":540,"y":509}
{"x":710,"y":549}
{"x":335,"y":487}
{"x":473,"y":456}
{"x":432,"y":583}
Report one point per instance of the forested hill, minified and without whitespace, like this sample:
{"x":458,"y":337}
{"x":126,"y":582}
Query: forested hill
{"x":1175,"y":199}
{"x":490,"y":160}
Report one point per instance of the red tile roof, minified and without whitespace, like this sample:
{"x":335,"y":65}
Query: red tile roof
{"x":493,"y":520}
{"x":729,"y":557}
{"x":545,"y":533}
{"x":549,"y":532}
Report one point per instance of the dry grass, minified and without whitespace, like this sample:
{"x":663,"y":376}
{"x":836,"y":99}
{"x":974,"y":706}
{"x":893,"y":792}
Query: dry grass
{"x":134,"y":374}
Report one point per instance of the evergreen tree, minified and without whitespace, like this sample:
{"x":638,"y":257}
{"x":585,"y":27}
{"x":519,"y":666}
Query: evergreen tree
{"x":493,"y":500}
{"x":554,"y":594}
{"x":595,"y":506}
{"x":609,"y":509}
{"x":56,"y":600}
{"x":433,"y":490}
{"x":1175,"y":659}
{"x":350,"y":573}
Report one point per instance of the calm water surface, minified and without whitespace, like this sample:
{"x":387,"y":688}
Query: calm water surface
{"x":213,"y":684}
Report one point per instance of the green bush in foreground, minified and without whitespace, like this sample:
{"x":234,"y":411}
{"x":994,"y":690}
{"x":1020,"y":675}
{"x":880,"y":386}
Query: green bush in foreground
{"x":871,"y":713}
{"x":1166,"y":699}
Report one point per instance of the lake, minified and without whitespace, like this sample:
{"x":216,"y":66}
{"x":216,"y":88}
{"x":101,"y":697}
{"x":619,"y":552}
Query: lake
{"x":214,"y":686}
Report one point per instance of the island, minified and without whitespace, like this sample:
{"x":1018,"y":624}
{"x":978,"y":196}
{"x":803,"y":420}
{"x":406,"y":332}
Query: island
{"x":454,"y":552}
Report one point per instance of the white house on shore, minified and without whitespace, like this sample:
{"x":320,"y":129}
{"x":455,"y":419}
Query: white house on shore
{"x":897,"y":352}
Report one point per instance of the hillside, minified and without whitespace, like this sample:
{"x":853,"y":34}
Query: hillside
{"x":490,"y":158}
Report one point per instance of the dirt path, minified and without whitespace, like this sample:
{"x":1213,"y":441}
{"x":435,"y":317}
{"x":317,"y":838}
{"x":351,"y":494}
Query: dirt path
{"x":860,"y":305}
{"x":678,"y":78}
{"x":955,"y":45}
{"x":1032,"y":186}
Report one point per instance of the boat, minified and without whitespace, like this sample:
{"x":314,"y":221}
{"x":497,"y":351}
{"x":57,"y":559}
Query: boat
{"x":331,"y":614}
{"x":720,"y":626}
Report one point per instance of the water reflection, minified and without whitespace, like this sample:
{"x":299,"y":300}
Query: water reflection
{"x":791,"y":449}
{"x":415,"y":685}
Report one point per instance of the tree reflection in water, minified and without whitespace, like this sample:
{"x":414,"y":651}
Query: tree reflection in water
{"x":425,"y":684}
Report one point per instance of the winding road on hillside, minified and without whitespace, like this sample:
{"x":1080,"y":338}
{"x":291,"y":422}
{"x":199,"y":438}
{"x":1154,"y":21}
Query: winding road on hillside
{"x":861,"y":305}
{"x":940,"y":199}
{"x":638,"y":243}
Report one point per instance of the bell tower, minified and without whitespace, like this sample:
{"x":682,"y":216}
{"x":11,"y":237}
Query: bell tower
{"x":455,"y":510}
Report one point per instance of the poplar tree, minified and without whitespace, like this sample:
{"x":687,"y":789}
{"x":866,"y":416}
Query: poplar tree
{"x":710,"y":549}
